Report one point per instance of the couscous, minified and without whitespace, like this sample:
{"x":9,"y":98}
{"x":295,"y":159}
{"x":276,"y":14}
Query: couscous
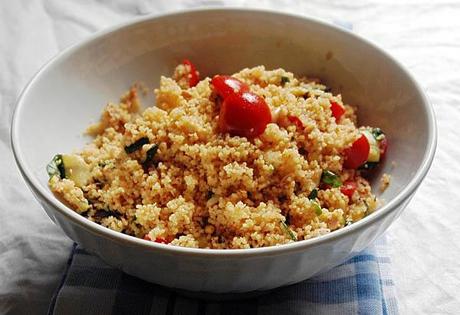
{"x":255,"y":159}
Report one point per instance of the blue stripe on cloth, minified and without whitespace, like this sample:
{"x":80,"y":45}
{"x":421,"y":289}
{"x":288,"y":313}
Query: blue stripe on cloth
{"x":64,"y":276}
{"x":133,"y":296}
{"x":362,"y":285}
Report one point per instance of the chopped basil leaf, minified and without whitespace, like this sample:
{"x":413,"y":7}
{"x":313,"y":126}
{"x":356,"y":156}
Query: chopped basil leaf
{"x":288,"y":231}
{"x":136,"y":145}
{"x":331,"y":179}
{"x":150,"y":155}
{"x":288,"y":219}
{"x":101,"y":214}
{"x":56,"y":167}
{"x":313,"y":194}
{"x":284,"y":80}
{"x":318,"y":209}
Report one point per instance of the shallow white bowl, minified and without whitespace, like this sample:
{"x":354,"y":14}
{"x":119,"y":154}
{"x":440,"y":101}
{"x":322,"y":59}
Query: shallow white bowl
{"x":70,"y":91}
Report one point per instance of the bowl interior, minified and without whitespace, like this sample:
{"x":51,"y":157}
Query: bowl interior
{"x":71,"y":91}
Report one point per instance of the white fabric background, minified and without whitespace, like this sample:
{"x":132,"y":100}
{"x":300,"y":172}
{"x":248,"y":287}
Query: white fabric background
{"x":424,"y":35}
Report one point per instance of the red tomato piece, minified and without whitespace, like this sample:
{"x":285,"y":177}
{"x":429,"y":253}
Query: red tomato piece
{"x":296,"y":121}
{"x":383,"y":146}
{"x":244,"y":114}
{"x":194,"y":76}
{"x":162,"y":240}
{"x":226,"y":85}
{"x":337,"y":110}
{"x":357,"y":154}
{"x":348,"y":188}
{"x":159,"y":239}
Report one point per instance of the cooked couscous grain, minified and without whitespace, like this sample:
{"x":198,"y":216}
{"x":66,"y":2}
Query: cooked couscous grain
{"x":385,"y":182}
{"x":170,"y":175}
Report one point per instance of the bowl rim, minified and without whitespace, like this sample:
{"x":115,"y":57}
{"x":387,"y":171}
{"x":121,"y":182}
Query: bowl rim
{"x":132,"y":241}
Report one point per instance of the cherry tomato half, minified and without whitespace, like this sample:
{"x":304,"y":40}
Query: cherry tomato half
{"x":194,"y":76}
{"x":226,"y":85}
{"x":244,"y":114}
{"x":337,"y":110}
{"x":296,"y":121}
{"x":348,"y":188}
{"x":357,"y":154}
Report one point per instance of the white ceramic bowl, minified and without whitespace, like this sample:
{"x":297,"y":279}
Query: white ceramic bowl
{"x":70,"y":91}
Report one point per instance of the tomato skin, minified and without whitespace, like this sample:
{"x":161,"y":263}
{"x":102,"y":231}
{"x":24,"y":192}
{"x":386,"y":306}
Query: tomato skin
{"x":244,"y":114}
{"x":337,"y":110}
{"x":348,"y":188}
{"x":226,"y":85}
{"x":383,"y":146}
{"x":194,"y":77}
{"x":357,"y":154}
{"x":296,"y":121}
{"x":159,"y":239}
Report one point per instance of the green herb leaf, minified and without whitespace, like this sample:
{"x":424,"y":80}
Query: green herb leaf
{"x":150,"y":154}
{"x":288,"y":231}
{"x":317,"y":207}
{"x":136,"y":145}
{"x":367,"y":206}
{"x":284,"y":80}
{"x":313,"y":194}
{"x":331,"y":179}
{"x":378,"y":134}
{"x":56,"y":167}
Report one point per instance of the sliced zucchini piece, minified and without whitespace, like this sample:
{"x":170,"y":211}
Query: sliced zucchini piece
{"x":76,"y":169}
{"x":56,"y":167}
{"x":378,"y":134}
{"x":374,"y":152}
{"x":69,"y":166}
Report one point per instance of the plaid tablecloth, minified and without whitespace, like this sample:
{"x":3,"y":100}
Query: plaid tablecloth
{"x":362,"y":285}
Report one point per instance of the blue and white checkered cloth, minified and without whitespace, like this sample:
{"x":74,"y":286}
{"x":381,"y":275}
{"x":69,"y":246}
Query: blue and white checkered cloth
{"x":362,"y":285}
